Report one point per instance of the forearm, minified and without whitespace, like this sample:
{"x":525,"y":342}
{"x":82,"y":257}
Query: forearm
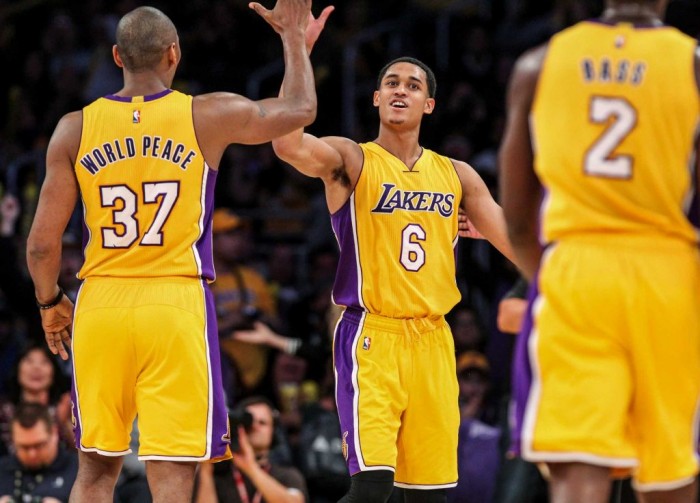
{"x":44,"y":263}
{"x":528,"y":252}
{"x":298,"y":83}
{"x":270,"y":489}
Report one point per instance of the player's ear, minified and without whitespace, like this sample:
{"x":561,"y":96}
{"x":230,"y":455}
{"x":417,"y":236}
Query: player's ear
{"x":117,"y":58}
{"x":429,"y":106}
{"x":375,"y":99}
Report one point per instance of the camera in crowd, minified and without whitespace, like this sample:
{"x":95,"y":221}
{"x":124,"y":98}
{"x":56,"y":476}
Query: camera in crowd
{"x":238,"y":418}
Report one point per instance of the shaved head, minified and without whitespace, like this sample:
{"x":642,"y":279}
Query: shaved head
{"x":142,"y":36}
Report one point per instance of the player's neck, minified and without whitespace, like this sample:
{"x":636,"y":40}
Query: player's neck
{"x":402,"y":145}
{"x":142,"y":84}
{"x":637,"y":13}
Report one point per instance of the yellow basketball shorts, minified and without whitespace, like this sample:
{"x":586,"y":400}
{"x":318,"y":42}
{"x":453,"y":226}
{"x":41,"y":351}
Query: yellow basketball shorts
{"x":397,"y":397}
{"x":614,"y":350}
{"x":148,"y":347}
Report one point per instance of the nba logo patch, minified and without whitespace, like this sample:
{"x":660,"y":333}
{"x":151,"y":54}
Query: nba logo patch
{"x":136,"y":117}
{"x":366,"y":343}
{"x":344,"y":445}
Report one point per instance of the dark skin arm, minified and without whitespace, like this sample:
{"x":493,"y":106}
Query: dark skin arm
{"x":519,"y":187}
{"x":224,"y":118}
{"x":697,"y":146}
{"x":59,"y":194}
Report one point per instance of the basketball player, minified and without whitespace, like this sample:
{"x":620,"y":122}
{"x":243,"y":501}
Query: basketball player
{"x":604,"y":117}
{"x":144,"y":163}
{"x":394,"y":209}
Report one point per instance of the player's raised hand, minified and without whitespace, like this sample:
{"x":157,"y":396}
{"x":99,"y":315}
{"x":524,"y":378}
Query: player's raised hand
{"x":285,"y":15}
{"x":315,"y":27}
{"x":57,"y":323}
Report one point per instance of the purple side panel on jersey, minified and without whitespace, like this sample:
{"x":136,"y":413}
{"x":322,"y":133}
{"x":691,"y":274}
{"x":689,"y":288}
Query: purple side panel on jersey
{"x":220,"y":413}
{"x":345,"y":336}
{"x":346,"y":279}
{"x":204,"y":246}
{"x":522,"y":372}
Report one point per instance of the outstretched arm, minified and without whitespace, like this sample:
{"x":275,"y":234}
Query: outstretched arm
{"x":520,"y":189}
{"x":224,"y":118}
{"x":59,"y":194}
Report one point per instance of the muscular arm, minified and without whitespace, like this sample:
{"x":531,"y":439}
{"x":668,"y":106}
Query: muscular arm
{"x":224,"y":118}
{"x":520,"y":189}
{"x":56,"y":202}
{"x":482,"y":210}
{"x":59,"y":194}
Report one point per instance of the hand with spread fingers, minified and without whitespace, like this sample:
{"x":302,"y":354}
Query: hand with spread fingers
{"x":285,"y":15}
{"x":57,"y":323}
{"x":315,"y":26}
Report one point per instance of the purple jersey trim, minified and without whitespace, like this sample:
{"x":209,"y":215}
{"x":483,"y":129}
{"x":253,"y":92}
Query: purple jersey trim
{"x":521,"y":380}
{"x":204,"y":243}
{"x":345,"y":288}
{"x":219,"y":430}
{"x":129,"y":99}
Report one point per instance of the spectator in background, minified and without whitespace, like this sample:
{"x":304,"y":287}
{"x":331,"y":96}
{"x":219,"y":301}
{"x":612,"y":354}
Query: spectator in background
{"x":251,"y":476}
{"x":243,"y":297}
{"x":478,"y":453}
{"x":41,"y":469}
{"x":37,"y":378}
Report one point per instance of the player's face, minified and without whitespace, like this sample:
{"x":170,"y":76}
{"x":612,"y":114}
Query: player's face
{"x":261,"y":431}
{"x":402,"y":97}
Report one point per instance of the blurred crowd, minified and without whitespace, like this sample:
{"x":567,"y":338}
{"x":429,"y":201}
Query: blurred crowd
{"x":275,"y":253}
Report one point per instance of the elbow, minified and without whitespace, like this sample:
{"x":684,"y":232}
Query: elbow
{"x":309,"y":112}
{"x":39,"y":249}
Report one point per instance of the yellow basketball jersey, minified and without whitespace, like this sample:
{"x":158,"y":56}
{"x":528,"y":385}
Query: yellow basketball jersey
{"x":147,"y":192}
{"x":397,"y":235}
{"x":614,"y":121}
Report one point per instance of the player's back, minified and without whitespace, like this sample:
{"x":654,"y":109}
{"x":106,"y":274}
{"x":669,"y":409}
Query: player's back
{"x":397,"y":235}
{"x":146,"y":189}
{"x":613,"y":122}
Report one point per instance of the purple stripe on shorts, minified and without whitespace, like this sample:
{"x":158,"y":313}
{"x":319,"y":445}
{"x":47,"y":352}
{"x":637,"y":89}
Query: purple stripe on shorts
{"x":220,"y":413}
{"x":522,"y":372}
{"x":77,"y":430}
{"x":204,"y":244}
{"x":346,"y":280}
{"x":343,"y":348}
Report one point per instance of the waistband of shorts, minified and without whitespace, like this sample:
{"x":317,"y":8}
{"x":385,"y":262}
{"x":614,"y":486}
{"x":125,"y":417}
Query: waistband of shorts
{"x":394,"y":325}
{"x":157,"y":280}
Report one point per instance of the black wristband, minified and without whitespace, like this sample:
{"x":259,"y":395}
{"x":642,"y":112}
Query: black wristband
{"x":54,"y":302}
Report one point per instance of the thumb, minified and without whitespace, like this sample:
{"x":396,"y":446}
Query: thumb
{"x":323,"y":17}
{"x":259,"y":9}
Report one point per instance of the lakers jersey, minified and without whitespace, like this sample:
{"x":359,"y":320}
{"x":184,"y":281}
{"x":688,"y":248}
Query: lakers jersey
{"x":147,"y":192}
{"x":613,"y":122}
{"x":397,"y":234}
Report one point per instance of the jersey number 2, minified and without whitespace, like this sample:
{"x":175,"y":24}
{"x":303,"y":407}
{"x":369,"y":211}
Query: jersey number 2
{"x":620,"y":117}
{"x":128,"y":231}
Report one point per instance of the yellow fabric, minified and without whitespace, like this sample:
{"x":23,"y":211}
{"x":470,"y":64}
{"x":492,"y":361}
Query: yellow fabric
{"x":406,"y":254}
{"x":408,"y":394}
{"x":615,"y":356}
{"x":151,"y":335}
{"x":136,"y":229}
{"x":627,"y":90}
